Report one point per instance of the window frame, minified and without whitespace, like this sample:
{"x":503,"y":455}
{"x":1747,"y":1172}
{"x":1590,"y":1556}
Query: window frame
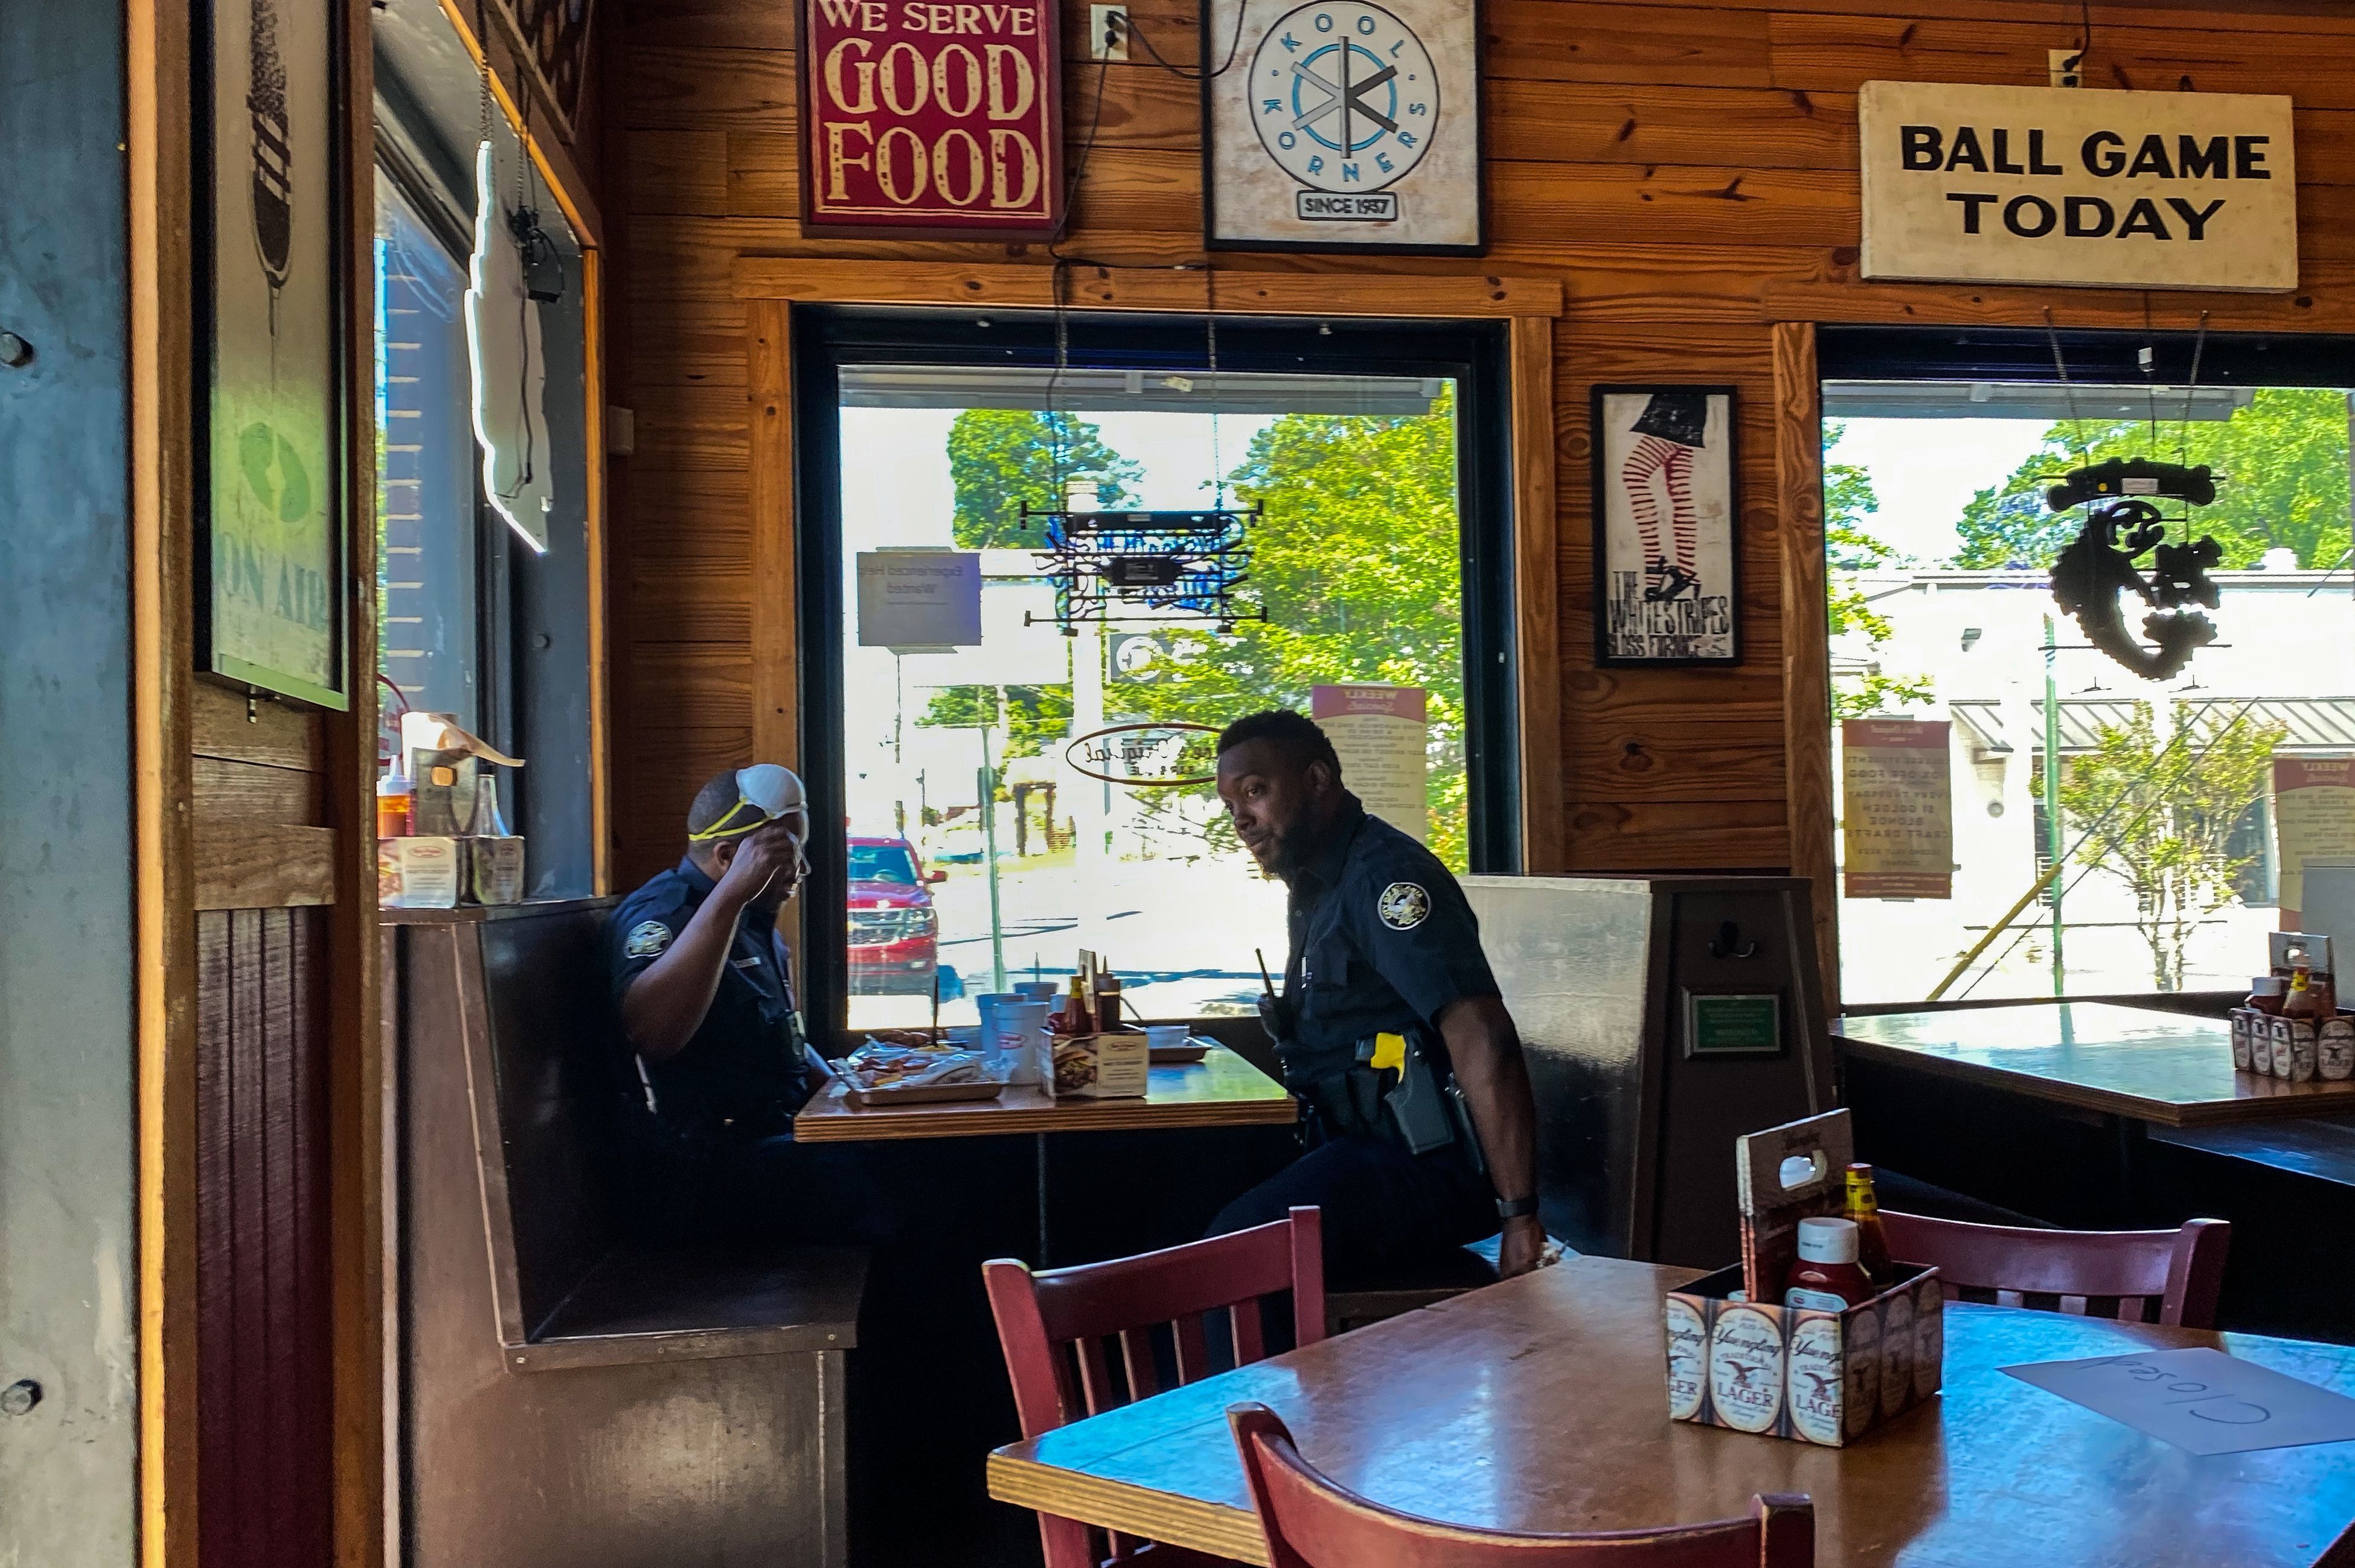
{"x":2105,"y":356}
{"x":1475,"y":353}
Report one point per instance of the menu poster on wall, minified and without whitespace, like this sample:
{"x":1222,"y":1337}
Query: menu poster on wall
{"x":2314,"y":819}
{"x":2077,"y":185}
{"x":1897,"y":818}
{"x":921,"y":118}
{"x":1378,"y":733}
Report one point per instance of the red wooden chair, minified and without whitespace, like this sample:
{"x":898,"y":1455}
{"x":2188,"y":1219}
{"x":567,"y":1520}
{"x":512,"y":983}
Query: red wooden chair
{"x":2141,"y":1276}
{"x":1055,"y":1326}
{"x":1312,"y":1523}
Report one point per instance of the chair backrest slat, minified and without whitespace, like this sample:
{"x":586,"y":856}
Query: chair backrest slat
{"x":2103,"y":1273}
{"x":1053,"y":1327}
{"x":1137,"y":1361}
{"x":1310,"y":1521}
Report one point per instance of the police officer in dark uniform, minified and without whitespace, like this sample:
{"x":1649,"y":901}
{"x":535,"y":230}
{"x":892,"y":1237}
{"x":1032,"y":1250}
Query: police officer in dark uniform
{"x":1390,"y":1028}
{"x":704,"y":986}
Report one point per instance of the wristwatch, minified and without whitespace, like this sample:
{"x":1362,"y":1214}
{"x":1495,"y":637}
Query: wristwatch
{"x":1517,"y":1208}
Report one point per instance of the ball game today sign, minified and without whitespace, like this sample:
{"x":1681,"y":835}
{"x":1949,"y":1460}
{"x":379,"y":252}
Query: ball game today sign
{"x":2078,"y":187}
{"x":921,"y":117}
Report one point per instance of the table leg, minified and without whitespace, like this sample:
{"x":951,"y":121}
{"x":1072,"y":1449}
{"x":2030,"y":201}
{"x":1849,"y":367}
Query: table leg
{"x":2128,"y":1137}
{"x":1042,"y":1198}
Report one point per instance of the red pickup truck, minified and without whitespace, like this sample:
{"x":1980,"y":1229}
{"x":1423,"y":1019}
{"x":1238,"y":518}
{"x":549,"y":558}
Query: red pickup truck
{"x":894,"y":930}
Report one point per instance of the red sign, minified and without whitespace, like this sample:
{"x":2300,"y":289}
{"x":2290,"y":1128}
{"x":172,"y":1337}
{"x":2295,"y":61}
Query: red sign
{"x":923,"y":117}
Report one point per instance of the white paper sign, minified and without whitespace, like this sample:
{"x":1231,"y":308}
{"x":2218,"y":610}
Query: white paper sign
{"x":1379,"y":733}
{"x":2073,"y":185}
{"x":918,"y":599}
{"x":2202,"y":1401}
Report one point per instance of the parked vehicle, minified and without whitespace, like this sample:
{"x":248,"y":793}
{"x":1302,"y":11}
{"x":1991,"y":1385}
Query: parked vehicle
{"x":894,"y":929}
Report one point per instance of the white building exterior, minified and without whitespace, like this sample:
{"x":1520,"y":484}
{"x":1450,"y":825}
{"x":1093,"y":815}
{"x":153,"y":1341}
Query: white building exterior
{"x":2286,"y":641}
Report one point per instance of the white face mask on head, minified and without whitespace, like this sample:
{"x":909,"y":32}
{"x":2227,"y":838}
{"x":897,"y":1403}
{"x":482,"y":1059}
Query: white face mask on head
{"x":765,"y":793}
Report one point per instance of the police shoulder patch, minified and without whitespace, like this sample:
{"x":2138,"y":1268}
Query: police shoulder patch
{"x":1403,"y":905}
{"x":647,"y":939}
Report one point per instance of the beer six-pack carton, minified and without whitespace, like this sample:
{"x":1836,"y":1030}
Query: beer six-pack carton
{"x":1738,"y":1357}
{"x":2270,"y":1043}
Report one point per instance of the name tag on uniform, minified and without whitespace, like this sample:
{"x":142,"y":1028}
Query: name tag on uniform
{"x":745,"y":963}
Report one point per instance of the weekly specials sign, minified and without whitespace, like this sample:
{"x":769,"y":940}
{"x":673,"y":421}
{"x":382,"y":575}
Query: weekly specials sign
{"x":2072,"y":186}
{"x":930,"y":118}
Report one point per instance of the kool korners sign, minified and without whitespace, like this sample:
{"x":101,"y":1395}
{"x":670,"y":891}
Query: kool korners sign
{"x":918,"y":116}
{"x":2073,"y":186}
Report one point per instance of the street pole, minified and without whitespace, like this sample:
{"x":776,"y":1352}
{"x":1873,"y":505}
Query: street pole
{"x":988,"y":782}
{"x":2053,"y":836}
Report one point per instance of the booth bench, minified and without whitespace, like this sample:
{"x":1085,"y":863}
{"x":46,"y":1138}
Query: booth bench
{"x":561,"y":1396}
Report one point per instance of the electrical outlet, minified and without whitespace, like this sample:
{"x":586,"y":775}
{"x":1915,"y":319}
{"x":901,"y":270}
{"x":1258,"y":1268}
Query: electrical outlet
{"x":2063,"y":64}
{"x":1108,"y":32}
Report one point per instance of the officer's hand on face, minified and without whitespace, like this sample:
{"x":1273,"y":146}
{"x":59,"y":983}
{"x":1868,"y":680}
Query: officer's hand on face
{"x":763,"y":865}
{"x":1522,"y":1247}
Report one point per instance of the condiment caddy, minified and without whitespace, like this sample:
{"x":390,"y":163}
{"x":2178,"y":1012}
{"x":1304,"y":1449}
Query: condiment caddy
{"x":1092,"y":1055}
{"x":1799,"y":1340}
{"x":2291,"y":1027}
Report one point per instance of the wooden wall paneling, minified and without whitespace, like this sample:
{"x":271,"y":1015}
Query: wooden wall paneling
{"x":776,"y":657}
{"x":341,"y":1087}
{"x":1819,"y":52}
{"x":1537,"y":592}
{"x":1117,"y":288}
{"x":172,"y":1395}
{"x":1806,"y":633}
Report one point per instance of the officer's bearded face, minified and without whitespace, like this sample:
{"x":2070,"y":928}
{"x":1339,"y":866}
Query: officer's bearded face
{"x":1270,"y":796}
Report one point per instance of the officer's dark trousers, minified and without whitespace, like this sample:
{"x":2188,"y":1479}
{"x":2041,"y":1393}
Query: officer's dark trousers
{"x":1384,"y":1208}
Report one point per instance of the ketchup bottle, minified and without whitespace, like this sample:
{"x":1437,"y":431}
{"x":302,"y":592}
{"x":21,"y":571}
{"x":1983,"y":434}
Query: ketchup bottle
{"x":1827,"y":1276}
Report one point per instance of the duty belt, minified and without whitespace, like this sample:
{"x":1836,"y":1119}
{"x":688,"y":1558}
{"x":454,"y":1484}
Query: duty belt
{"x":1392,"y":1088}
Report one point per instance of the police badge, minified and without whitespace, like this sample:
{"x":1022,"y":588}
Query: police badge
{"x":646,"y":940}
{"x":1404,"y":906}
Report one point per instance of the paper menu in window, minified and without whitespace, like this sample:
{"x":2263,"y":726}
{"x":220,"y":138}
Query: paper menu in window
{"x":2201,"y":1401}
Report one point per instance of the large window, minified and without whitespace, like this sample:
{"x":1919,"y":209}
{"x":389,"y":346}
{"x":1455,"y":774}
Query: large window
{"x":981,"y":845}
{"x":1965,"y":699}
{"x":481,"y":617}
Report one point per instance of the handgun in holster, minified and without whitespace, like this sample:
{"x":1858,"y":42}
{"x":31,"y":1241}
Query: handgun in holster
{"x":1418,"y":1109}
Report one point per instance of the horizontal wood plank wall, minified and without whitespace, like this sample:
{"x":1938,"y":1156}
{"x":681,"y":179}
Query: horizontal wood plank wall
{"x":1687,"y":169}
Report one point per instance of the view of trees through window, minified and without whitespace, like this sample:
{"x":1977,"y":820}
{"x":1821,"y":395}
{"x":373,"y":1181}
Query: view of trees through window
{"x":2161,"y":803}
{"x":1356,"y":560}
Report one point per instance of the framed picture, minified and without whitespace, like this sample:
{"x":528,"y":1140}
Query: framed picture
{"x":1343,"y":125}
{"x":1667,"y":586}
{"x":925,"y":120}
{"x":555,"y":34}
{"x":270,"y":559}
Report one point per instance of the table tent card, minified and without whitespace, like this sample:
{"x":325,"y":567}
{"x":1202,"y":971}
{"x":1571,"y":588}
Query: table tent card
{"x":2202,"y":1400}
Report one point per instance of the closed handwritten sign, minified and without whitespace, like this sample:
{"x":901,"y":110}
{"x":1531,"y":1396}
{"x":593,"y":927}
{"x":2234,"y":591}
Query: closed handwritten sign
{"x":919,"y":116}
{"x":2030,"y":185}
{"x":2200,"y":1400}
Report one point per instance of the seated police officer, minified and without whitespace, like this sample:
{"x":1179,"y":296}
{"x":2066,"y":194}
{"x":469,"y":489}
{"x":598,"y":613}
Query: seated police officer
{"x":1390,"y":1027}
{"x":704,"y":986}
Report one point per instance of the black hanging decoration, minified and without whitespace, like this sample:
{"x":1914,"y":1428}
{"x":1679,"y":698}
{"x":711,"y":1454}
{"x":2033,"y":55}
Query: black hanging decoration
{"x":2101,"y":563}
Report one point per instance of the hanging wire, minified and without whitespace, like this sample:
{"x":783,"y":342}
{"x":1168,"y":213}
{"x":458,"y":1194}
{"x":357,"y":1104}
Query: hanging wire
{"x":1234,"y":45}
{"x":1211,"y":314}
{"x":2183,"y":425}
{"x":2068,"y":388}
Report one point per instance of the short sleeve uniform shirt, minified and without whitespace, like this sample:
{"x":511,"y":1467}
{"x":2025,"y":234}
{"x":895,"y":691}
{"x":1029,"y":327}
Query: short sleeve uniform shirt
{"x":744,"y":1073}
{"x":1382,"y":938}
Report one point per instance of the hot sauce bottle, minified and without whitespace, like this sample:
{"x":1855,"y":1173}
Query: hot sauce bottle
{"x":1872,"y":1241}
{"x":1827,"y":1276}
{"x":2303,"y":1009}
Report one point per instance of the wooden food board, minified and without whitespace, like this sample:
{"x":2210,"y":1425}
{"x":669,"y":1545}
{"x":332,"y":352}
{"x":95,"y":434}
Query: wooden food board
{"x":1222,"y":1090}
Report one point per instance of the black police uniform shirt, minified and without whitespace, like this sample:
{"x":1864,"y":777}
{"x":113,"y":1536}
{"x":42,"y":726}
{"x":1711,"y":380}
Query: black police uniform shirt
{"x":743,"y":1072}
{"x":1382,"y":937}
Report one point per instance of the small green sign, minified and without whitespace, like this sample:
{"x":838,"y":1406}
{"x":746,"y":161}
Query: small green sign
{"x":1733,"y":1026}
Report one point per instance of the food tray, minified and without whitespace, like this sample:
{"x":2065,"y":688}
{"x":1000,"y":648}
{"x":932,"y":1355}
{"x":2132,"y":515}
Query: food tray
{"x":1179,"y":1055}
{"x":919,"y":1094}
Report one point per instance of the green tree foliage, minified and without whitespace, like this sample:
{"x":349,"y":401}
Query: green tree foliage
{"x":1001,"y":459}
{"x":1358,"y":562}
{"x":1035,"y":716}
{"x":2281,"y":482}
{"x":1850,"y":549}
{"x":2161,"y":817}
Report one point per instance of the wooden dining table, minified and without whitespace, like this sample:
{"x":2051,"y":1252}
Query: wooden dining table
{"x":1541,"y":1404}
{"x":1222,"y":1090}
